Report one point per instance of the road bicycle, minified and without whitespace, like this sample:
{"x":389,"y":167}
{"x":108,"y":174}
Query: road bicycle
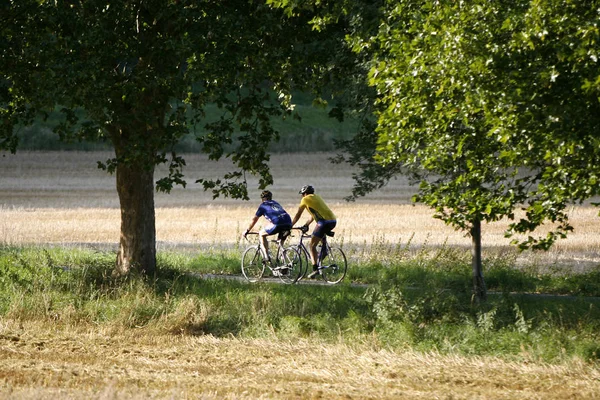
{"x":286,"y":264}
{"x":332,"y":260}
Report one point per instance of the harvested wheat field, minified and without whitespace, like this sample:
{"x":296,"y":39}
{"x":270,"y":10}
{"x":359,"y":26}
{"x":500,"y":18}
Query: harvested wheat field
{"x":40,"y":362}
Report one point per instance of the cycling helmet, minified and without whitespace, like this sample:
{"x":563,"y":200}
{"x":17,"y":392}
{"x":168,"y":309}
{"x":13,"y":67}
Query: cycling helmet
{"x":307,"y":189}
{"x":266,"y":195}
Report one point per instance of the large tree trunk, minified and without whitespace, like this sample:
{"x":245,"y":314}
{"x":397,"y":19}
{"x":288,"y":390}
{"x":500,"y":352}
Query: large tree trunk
{"x":479,"y":289}
{"x":137,"y":248}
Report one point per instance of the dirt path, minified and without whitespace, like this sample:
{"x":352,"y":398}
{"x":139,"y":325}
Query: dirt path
{"x":38,"y":362}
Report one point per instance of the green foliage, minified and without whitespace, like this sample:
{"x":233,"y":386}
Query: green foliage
{"x":487,"y":106}
{"x":168,"y":65}
{"x":516,"y":328}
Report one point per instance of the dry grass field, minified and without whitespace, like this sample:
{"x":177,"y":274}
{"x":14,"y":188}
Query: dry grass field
{"x":38,"y":362}
{"x":63,"y":199}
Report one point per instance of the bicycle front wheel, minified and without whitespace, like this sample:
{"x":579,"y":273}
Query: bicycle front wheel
{"x":253,"y":267}
{"x":334,"y":266}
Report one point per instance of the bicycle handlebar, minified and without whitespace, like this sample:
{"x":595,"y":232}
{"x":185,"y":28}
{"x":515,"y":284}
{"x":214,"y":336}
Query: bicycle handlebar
{"x":248,"y":233}
{"x":304,"y":235}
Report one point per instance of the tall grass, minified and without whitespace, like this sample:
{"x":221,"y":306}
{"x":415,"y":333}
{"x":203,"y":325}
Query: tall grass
{"x":418,"y":302}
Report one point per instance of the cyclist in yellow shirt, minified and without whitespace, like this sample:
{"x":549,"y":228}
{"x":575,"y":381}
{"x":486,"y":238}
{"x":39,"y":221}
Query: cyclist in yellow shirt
{"x":319,"y":212}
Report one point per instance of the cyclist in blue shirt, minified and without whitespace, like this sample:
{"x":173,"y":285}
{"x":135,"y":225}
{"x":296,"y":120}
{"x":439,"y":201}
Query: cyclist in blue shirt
{"x":279,"y":220}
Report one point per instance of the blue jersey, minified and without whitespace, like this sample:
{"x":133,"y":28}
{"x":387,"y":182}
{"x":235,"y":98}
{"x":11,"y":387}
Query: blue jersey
{"x":274,"y":213}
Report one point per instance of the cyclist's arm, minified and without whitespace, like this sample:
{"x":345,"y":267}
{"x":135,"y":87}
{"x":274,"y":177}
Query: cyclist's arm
{"x":252,"y":223}
{"x":298,"y":214}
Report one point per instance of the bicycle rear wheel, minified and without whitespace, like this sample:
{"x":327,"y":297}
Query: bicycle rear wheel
{"x":252,"y":264}
{"x":290,"y":265}
{"x":334,"y":266}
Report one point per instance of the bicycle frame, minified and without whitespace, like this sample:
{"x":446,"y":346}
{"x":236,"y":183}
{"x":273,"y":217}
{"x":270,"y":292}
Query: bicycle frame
{"x":261,"y":249}
{"x":325,"y":247}
{"x":286,"y":263}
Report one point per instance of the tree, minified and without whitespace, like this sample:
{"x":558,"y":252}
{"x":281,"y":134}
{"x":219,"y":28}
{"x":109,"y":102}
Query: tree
{"x":488,"y":106}
{"x":549,"y":69}
{"x":139,"y":73}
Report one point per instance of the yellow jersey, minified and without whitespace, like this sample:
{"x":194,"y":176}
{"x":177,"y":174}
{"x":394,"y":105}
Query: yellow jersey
{"x":317,"y":208}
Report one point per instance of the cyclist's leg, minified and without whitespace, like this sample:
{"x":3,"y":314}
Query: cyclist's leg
{"x":283,"y":231}
{"x":263,"y":234}
{"x":321,"y":230}
{"x":314,"y":242}
{"x":317,"y":236}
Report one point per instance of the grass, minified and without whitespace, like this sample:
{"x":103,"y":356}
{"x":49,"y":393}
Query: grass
{"x":86,"y":329}
{"x":420,"y":303}
{"x":94,"y":362}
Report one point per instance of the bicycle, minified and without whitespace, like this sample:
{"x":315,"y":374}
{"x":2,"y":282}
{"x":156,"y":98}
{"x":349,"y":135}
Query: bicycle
{"x":287,"y":261}
{"x":333,"y":264}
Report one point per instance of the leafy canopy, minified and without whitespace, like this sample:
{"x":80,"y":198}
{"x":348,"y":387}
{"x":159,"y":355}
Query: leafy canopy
{"x":487,"y":105}
{"x":140,"y":74}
